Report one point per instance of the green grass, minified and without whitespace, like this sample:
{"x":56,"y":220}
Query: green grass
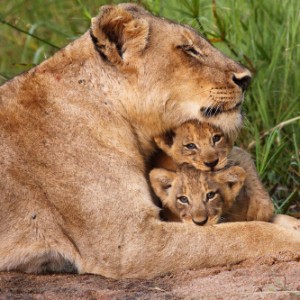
{"x":264,"y":35}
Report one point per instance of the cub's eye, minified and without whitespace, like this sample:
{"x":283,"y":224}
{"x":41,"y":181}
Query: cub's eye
{"x":183,"y":199}
{"x":216,"y":138}
{"x":210,"y":195}
{"x":191,"y":146}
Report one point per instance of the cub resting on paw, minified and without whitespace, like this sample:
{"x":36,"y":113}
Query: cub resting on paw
{"x":207,"y":198}
{"x":190,"y":195}
{"x":76,"y":133}
{"x":207,"y":147}
{"x":232,"y":194}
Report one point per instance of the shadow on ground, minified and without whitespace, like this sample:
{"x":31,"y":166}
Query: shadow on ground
{"x":265,"y":278}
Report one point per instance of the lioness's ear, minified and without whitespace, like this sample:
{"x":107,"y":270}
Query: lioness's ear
{"x":118,"y":35}
{"x":234,"y":177}
{"x":165,"y":141}
{"x":161,"y":181}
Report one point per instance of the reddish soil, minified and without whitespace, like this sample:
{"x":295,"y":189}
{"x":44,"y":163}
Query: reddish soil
{"x":265,"y":278}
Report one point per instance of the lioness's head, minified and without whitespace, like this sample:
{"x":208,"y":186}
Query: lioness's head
{"x":168,"y":73}
{"x":195,"y":196}
{"x":201,"y":145}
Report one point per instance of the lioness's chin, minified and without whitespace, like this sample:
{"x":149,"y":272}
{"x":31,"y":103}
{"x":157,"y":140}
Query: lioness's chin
{"x":230,"y":122}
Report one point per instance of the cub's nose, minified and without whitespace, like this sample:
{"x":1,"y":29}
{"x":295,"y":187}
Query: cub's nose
{"x":242,"y":79}
{"x":212,"y":163}
{"x":200,"y":223}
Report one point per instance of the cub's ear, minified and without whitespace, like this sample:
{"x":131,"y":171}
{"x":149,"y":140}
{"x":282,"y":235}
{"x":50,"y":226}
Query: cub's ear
{"x":161,"y":181}
{"x":234,"y":177}
{"x":165,"y":141}
{"x":118,"y":35}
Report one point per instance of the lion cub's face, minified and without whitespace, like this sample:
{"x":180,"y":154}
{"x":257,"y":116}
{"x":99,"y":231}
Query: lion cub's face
{"x":201,"y":145}
{"x":198,"y":197}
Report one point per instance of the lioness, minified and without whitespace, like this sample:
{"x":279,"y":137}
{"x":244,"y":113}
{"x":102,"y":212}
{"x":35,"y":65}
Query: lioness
{"x":75,"y":133}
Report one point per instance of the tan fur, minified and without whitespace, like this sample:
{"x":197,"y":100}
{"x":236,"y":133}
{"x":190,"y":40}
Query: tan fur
{"x":207,"y":154}
{"x":286,"y":221}
{"x":239,"y":194}
{"x":231,"y":194}
{"x":75,"y":133}
{"x":207,"y":195}
{"x":253,"y":201}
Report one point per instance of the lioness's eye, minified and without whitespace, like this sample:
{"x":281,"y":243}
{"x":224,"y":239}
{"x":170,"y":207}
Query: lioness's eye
{"x":183,"y":199}
{"x":210,"y":195}
{"x":191,"y":146}
{"x":216,"y":138}
{"x":191,"y":50}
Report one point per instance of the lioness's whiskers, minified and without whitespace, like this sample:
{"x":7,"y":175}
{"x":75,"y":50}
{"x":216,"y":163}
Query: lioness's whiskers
{"x":200,"y":92}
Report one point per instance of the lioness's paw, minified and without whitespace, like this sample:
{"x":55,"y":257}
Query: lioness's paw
{"x":297,"y":227}
{"x":287,"y":222}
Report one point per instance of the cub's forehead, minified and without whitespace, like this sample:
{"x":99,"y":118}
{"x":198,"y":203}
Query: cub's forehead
{"x":206,"y":128}
{"x":212,"y":184}
{"x":201,"y":184}
{"x":192,"y":178}
{"x":195,"y":182}
{"x":197,"y":129}
{"x":189,"y":174}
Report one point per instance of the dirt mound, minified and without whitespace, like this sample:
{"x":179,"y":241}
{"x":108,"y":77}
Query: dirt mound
{"x":265,"y":278}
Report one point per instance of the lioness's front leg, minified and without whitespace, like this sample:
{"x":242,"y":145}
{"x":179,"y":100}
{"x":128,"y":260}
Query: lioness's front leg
{"x":151,"y":247}
{"x":177,"y":246}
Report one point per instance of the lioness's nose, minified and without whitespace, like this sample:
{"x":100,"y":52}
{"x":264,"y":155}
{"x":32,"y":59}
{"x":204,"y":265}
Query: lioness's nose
{"x":212,"y":163}
{"x":242,"y":79}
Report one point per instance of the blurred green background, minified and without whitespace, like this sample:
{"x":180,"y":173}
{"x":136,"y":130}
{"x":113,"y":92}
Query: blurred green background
{"x":263,"y":35}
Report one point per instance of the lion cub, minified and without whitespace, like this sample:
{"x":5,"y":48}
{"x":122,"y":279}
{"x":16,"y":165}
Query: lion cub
{"x":207,"y":198}
{"x":190,"y":195}
{"x":201,"y":145}
{"x":205,"y":147}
